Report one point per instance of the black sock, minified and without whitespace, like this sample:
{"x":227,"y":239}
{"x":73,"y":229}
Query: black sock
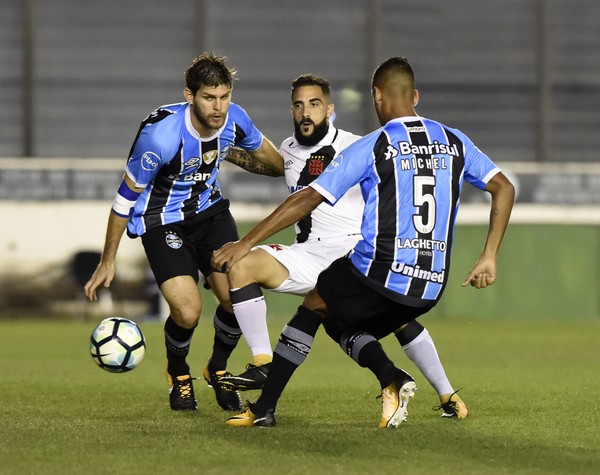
{"x":292,"y":349}
{"x":249,"y":292}
{"x":227,"y":335}
{"x":373,"y":357}
{"x":411,"y":331}
{"x":177,"y":341}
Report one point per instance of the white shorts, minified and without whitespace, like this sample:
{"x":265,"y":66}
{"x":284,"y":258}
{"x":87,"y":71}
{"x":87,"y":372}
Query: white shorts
{"x":305,"y":261}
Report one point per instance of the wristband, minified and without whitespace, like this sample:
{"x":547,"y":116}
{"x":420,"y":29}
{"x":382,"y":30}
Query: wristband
{"x":124,"y":200}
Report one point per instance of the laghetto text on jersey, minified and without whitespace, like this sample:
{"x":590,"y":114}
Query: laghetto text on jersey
{"x":411,"y":172}
{"x":178,"y":168}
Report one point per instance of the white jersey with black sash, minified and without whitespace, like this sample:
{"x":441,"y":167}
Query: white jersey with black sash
{"x":304,"y":164}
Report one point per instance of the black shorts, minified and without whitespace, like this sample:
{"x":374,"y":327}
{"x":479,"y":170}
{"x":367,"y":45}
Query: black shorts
{"x":184,"y":248}
{"x":352,"y":306}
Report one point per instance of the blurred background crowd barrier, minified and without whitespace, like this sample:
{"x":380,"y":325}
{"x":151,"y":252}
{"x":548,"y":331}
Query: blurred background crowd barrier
{"x":520,"y":77}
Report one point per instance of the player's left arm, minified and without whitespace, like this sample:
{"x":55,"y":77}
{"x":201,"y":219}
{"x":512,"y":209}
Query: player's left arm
{"x":503,"y":197}
{"x":244,"y":160}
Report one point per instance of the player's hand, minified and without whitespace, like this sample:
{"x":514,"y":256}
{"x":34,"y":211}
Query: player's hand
{"x":224,"y":258}
{"x":103,"y":274}
{"x":482,"y":275}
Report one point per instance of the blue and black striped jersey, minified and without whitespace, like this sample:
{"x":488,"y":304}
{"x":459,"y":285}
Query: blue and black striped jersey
{"x":411,"y":172}
{"x":178,"y":168}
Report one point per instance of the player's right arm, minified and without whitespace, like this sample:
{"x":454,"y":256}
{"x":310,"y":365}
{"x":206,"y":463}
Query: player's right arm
{"x":503,"y":197}
{"x":294,"y":208}
{"x":117,"y":223}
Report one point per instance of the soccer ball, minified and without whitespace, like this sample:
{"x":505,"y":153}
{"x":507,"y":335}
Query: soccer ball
{"x":117,"y":345}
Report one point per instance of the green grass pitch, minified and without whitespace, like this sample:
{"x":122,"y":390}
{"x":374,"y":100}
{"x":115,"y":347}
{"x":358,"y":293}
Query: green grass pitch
{"x":532,"y":390}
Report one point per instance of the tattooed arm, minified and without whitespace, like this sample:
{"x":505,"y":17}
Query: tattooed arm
{"x":265,"y":161}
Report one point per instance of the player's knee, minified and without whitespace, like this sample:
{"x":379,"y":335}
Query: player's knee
{"x":186,"y":315}
{"x":245,"y":270}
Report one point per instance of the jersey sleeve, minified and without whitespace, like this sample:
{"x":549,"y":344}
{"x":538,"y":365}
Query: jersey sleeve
{"x":479,"y":168}
{"x":346,"y":170}
{"x":145,"y":160}
{"x":247,"y":136}
{"x":152,"y":149}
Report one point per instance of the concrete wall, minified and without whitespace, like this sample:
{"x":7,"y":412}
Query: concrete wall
{"x":38,"y":234}
{"x":546,"y":270}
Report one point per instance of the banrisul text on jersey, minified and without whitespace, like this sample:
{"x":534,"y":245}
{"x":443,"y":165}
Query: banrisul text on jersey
{"x":407,"y":227}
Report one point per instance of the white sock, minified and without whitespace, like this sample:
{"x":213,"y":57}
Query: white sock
{"x":423,"y":354}
{"x":252,"y":319}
